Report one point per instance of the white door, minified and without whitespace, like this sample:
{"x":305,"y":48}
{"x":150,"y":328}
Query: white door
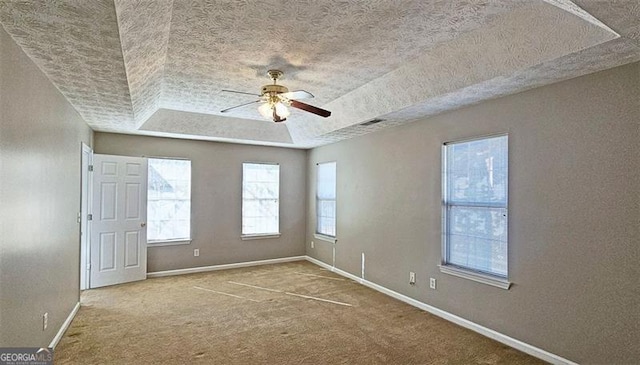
{"x":118,"y":230}
{"x":85,"y":208}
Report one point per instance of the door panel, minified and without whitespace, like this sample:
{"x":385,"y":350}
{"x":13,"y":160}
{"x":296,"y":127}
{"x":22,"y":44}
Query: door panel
{"x":108,"y":201}
{"x":132,"y":248}
{"x":109,"y":168}
{"x":107,"y":251}
{"x":133,"y":169}
{"x":133,"y":201}
{"x":120,"y":197}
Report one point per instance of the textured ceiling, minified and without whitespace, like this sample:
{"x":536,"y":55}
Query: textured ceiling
{"x":157,"y":67}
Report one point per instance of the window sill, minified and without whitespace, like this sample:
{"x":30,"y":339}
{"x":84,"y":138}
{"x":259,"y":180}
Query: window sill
{"x":475,"y":276}
{"x":168,"y":243}
{"x":323,"y":237}
{"x":247,"y":237}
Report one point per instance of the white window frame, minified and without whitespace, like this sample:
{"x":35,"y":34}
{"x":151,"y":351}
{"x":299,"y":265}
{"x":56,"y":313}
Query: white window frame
{"x":457,"y":270}
{"x":261,"y":235}
{"x":322,"y":235}
{"x":173,"y":241}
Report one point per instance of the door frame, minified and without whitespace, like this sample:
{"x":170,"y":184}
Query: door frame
{"x":86,"y":193}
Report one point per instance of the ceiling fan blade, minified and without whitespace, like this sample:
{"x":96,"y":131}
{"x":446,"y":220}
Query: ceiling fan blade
{"x":310,"y":108}
{"x":241,"y":105}
{"x":296,"y":95}
{"x":239,"y":92}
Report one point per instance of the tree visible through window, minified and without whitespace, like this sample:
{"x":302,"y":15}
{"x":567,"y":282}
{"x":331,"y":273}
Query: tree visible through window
{"x":260,"y":199}
{"x":475,"y":205}
{"x":169,"y":200}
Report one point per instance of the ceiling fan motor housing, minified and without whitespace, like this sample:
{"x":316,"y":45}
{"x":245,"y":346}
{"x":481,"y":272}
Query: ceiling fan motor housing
{"x":273,"y":89}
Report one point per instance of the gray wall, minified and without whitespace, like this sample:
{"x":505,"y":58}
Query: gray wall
{"x":573,"y":207}
{"x":40,"y":138}
{"x":216,"y":210}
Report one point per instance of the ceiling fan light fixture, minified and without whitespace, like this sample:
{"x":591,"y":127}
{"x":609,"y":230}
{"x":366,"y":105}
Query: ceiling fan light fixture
{"x":281,"y":110}
{"x":265,"y":111}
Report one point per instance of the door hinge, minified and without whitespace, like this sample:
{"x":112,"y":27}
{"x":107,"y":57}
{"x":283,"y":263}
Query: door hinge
{"x":90,"y":217}
{"x":90,"y":167}
{"x":89,"y":266}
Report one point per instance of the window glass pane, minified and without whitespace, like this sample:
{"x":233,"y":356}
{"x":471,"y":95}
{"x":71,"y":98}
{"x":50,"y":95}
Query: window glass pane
{"x":475,"y":200}
{"x":327,"y":180}
{"x":169,"y":200}
{"x":260,"y":198}
{"x":478,"y":238}
{"x":326,"y":199}
{"x":326,"y":217}
{"x":477,"y":171}
{"x":327,"y":208}
{"x":327,"y":226}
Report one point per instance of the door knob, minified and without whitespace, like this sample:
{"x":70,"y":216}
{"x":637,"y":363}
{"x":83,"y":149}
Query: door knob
{"x":143,"y":224}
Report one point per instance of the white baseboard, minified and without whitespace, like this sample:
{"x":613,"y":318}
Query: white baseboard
{"x":510,"y":341}
{"x":64,"y":326}
{"x":193,"y":270}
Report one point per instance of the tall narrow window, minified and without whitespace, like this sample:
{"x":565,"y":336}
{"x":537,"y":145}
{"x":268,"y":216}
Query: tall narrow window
{"x":475,"y":183}
{"x":326,"y":199}
{"x":260,"y":199}
{"x":169,"y":200}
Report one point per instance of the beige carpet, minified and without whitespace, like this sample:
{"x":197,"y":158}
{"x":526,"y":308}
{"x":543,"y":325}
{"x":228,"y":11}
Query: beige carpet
{"x":265,"y":315}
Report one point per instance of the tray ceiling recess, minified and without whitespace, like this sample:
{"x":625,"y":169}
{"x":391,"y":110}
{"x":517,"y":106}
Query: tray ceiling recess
{"x":159,"y":67}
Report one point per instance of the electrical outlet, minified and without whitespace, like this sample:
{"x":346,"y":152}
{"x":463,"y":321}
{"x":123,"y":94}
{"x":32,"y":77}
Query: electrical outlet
{"x":432,"y":283}
{"x":312,"y":244}
{"x":412,"y":277}
{"x":196,"y":252}
{"x":45,"y":321}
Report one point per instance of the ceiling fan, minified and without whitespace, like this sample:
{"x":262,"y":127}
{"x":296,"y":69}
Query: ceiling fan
{"x":276,"y":98}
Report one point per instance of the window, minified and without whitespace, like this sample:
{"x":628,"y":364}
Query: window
{"x":260,"y":199}
{"x":169,"y":200}
{"x":326,"y":199}
{"x":475,"y":208}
